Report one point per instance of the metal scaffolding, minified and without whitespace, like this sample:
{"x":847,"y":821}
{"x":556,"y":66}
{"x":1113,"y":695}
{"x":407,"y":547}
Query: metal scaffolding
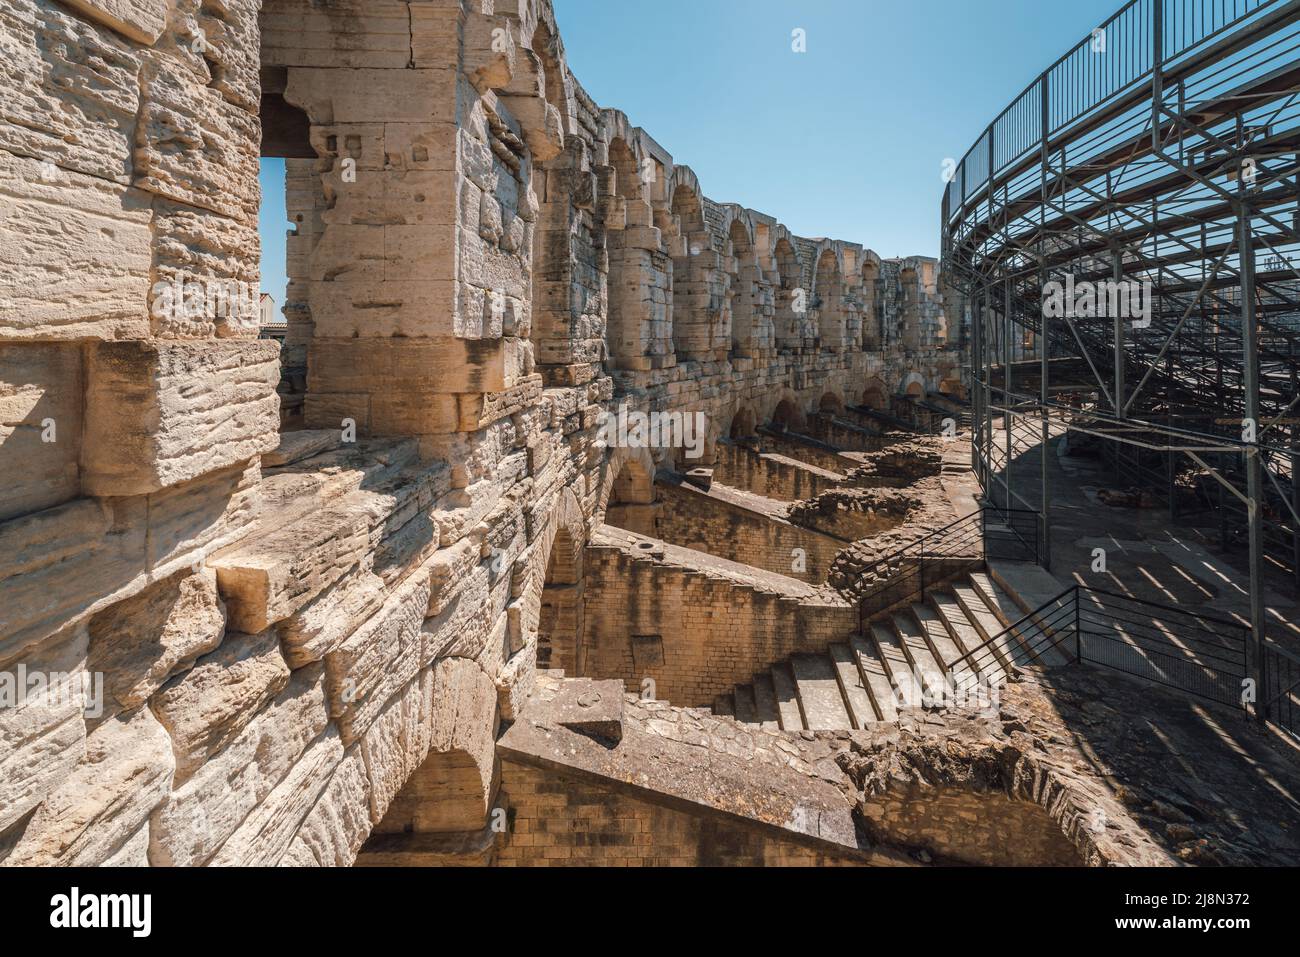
{"x":1126,"y":240}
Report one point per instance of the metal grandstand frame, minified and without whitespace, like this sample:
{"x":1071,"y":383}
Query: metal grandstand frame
{"x":1161,"y":153}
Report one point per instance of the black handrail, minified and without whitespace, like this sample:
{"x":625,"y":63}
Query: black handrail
{"x":1156,"y":646}
{"x":991,"y":643}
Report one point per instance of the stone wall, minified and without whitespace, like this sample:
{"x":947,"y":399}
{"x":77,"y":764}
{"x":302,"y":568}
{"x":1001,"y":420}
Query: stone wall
{"x":483,"y":263}
{"x":730,"y":530}
{"x":691,"y":624}
{"x":558,"y":820}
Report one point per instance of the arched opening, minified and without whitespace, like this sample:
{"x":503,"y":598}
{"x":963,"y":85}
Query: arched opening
{"x":787,"y":417}
{"x":743,"y":425}
{"x":914,"y":390}
{"x":696,"y":311}
{"x":637,"y":324}
{"x":870,"y":312}
{"x":831,"y":404}
{"x":559,"y":627}
{"x":745,"y":278}
{"x":875,"y":396}
{"x":631,"y":500}
{"x":828,"y":297}
{"x":792,"y":300}
{"x":292,"y":195}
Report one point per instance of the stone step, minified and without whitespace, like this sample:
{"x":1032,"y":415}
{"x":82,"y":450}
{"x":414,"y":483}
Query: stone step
{"x":820,"y":701}
{"x":787,"y":701}
{"x":724,"y":705}
{"x":964,"y":634}
{"x":877,"y":680}
{"x":898,"y":666}
{"x":852,"y":687}
{"x":936,"y":634}
{"x":1009,"y":612}
{"x":745,"y":704}
{"x":1008,"y":652}
{"x":765,"y":710}
{"x":916,"y":647}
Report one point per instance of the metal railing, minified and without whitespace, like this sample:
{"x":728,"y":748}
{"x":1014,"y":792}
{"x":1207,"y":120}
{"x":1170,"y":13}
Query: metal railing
{"x":1280,"y":700}
{"x":1081,"y":82}
{"x":1198,"y":654}
{"x":947,"y":553}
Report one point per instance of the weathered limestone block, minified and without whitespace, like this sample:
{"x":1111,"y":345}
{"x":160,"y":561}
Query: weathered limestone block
{"x":101,"y":806}
{"x":397,"y":742}
{"x":139,"y":643}
{"x":369,"y":308}
{"x":59,"y":563}
{"x":40,"y":426}
{"x":303,"y":33}
{"x":74,"y":252}
{"x":377,"y":660}
{"x":325,"y":622}
{"x":202,"y":813}
{"x":296,"y":446}
{"x":207,"y":275}
{"x":211,"y":703}
{"x":369,"y":95}
{"x":269,"y":830}
{"x":332,"y":834}
{"x":161,"y":413}
{"x":193,"y":145}
{"x":190,"y":521}
{"x":139,"y":20}
{"x":72,"y":90}
{"x":42,"y":730}
{"x":266,"y":578}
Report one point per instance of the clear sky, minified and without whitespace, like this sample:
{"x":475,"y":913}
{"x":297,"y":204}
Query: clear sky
{"x":846,"y":140}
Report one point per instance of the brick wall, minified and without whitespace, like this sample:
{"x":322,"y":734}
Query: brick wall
{"x":688,"y":517}
{"x":561,"y":820}
{"x":694,"y":635}
{"x":788,"y":481}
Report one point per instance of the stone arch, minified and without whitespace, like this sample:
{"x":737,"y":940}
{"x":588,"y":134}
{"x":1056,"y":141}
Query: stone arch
{"x":697,"y":304}
{"x":787,"y":416}
{"x":914,"y":385}
{"x":749,"y":293}
{"x":743,"y":424}
{"x":451,"y":792}
{"x":792,"y":299}
{"x":627,"y":493}
{"x":871,"y":338}
{"x":560,"y":607}
{"x":828,"y":294}
{"x":831,"y":403}
{"x":636,"y":324}
{"x":876,"y":395}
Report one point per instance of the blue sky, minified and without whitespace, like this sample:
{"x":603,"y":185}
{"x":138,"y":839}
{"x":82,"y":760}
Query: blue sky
{"x":846,"y":140}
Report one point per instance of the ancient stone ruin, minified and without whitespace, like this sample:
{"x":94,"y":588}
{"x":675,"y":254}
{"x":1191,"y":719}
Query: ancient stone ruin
{"x":564,"y":476}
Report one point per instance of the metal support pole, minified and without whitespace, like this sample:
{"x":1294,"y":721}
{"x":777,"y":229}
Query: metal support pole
{"x":1254,"y":474}
{"x":1120,"y":395}
{"x":1006,"y":384}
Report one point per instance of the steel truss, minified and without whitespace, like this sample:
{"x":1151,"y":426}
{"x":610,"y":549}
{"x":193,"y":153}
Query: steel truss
{"x":1162,"y":153}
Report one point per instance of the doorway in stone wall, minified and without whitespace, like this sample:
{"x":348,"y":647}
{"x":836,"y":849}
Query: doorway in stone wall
{"x":291,"y":203}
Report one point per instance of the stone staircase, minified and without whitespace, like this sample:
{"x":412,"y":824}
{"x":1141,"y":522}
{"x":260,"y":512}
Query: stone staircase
{"x":862,"y":681}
